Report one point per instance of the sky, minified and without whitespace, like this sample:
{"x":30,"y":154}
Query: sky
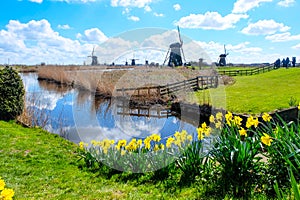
{"x":67,"y":31}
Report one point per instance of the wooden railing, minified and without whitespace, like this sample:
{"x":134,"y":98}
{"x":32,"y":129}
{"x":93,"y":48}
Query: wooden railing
{"x":246,"y":72}
{"x":198,"y":83}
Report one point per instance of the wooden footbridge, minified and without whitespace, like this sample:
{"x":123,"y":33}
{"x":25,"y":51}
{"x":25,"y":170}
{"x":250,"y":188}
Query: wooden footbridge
{"x":198,"y":83}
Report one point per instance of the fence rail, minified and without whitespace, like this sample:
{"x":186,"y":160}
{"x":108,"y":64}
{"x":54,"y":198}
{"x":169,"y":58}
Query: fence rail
{"x":198,"y":83}
{"x":246,"y":72}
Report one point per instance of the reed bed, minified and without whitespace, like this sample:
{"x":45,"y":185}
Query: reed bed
{"x":104,"y":80}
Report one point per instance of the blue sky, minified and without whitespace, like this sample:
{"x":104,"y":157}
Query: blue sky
{"x":66,"y":31}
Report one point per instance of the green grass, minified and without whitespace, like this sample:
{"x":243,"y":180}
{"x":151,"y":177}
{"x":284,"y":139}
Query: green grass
{"x":234,"y":68}
{"x":41,"y":165}
{"x":258,"y":93}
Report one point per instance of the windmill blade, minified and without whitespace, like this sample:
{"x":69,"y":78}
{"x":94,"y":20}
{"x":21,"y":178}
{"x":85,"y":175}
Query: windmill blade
{"x":167,"y":56}
{"x":224,"y":49}
{"x":93,"y":51}
{"x":180,"y":40}
{"x":183,"y":55}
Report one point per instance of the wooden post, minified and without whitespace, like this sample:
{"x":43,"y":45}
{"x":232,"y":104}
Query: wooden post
{"x":158,"y":91}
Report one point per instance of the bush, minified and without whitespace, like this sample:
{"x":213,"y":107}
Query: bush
{"x":11,"y":94}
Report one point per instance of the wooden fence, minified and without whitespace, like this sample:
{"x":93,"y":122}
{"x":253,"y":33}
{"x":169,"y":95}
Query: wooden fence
{"x":246,"y":72}
{"x":198,"y":83}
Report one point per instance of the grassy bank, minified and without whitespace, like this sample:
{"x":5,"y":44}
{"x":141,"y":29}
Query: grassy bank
{"x":40,"y":165}
{"x":260,"y":93}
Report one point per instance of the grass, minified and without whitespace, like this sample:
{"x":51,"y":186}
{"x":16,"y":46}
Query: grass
{"x":41,"y":165}
{"x":234,"y":68}
{"x":258,"y":93}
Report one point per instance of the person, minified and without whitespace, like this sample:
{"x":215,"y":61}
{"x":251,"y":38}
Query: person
{"x":277,"y":63}
{"x":294,"y":61}
{"x":287,"y":62}
{"x":283,"y":63}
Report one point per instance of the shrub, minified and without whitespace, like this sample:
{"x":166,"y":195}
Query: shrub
{"x":11,"y":94}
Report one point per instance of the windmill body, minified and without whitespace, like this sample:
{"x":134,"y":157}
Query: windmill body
{"x":222,"y":58}
{"x":175,"y":53}
{"x":94,"y":58}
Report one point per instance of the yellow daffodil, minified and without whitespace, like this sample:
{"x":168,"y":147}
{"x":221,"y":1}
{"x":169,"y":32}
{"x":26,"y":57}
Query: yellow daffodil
{"x":266,"y":139}
{"x":243,"y":132}
{"x":211,"y":119}
{"x":2,"y":184}
{"x":200,"y":132}
{"x":155,"y":137}
{"x":228,"y":118}
{"x":156,"y":147}
{"x":207,"y":131}
{"x":200,"y":136}
{"x":219,"y":116}
{"x":169,"y":142}
{"x":190,"y":138}
{"x":299,"y":106}
{"x":266,"y":117}
{"x":7,"y":193}
{"x":251,"y":121}
{"x":237,"y":120}
{"x":147,"y":142}
{"x":82,"y":145}
{"x":203,"y":125}
{"x":121,"y":143}
{"x":218,"y":125}
{"x":132,"y":145}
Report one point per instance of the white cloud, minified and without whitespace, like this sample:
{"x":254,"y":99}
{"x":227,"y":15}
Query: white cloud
{"x":243,"y":6}
{"x":147,"y":8}
{"x":215,"y":48}
{"x":158,"y":14}
{"x":177,"y":7}
{"x":264,"y":27}
{"x":130,"y":3}
{"x":126,"y":11}
{"x":286,"y":3}
{"x":35,"y":42}
{"x":36,"y":1}
{"x":77,"y":1}
{"x":210,"y":20}
{"x":296,"y":46}
{"x":93,"y":35}
{"x":283,"y":37}
{"x":133,"y":18}
{"x":64,"y":27}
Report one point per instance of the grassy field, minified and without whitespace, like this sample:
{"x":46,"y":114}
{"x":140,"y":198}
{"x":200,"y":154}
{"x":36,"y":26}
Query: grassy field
{"x":258,"y":93}
{"x":40,"y":165}
{"x":234,"y":68}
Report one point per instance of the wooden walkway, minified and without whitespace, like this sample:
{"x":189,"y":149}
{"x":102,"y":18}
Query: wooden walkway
{"x":198,"y":83}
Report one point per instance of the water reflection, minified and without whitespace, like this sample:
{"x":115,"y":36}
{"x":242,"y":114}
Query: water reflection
{"x":79,"y":115}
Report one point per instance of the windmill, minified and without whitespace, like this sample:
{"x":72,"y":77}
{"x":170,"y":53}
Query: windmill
{"x":126,"y":62}
{"x":94,"y":58}
{"x":133,"y":61}
{"x":222,"y":58}
{"x":174,"y":53}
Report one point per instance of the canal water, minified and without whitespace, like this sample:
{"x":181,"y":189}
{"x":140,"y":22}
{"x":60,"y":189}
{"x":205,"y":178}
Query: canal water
{"x":78,"y":115}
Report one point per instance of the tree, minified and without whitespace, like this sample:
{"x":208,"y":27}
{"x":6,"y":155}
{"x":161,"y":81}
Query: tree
{"x":11,"y":94}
